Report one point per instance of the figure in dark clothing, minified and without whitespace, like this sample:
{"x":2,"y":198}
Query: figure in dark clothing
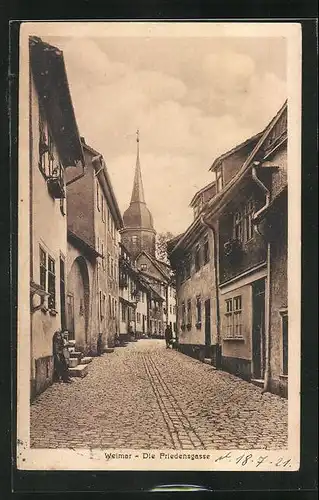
{"x":99,"y":344}
{"x":168,"y":336}
{"x":60,"y":363}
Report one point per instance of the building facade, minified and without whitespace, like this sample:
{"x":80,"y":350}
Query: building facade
{"x":94,"y":220}
{"x":192,"y":258}
{"x":252,"y":270}
{"x":55,"y":148}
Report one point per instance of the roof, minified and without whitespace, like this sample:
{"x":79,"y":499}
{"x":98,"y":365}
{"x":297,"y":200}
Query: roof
{"x":240,"y":146}
{"x":50,"y":79}
{"x":219,"y":197}
{"x":107,"y":184}
{"x":156,"y":263}
{"x":82,"y":245}
{"x":137,"y":215}
{"x":201,"y":191}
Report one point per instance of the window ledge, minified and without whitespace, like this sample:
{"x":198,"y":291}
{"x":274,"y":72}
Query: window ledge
{"x":227,"y":339}
{"x":53,"y":312}
{"x":285,"y":377}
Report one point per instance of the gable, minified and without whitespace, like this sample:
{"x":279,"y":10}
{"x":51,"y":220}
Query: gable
{"x":145,"y":264}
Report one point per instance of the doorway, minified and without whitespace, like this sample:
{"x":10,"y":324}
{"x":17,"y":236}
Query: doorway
{"x":207,"y":329}
{"x":70,"y":316}
{"x":258,"y":330}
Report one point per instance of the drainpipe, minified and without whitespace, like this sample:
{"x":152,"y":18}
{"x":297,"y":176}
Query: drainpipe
{"x":210,"y":226}
{"x":267,"y":325}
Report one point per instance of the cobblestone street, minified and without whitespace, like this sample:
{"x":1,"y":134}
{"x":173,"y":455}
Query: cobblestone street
{"x":146,"y":396}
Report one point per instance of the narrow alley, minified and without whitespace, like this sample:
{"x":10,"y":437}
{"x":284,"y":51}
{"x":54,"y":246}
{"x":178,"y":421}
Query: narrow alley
{"x":144,"y":396}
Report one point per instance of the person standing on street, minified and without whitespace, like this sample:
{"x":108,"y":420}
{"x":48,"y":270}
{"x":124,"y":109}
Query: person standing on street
{"x":60,"y":363}
{"x":168,"y":336}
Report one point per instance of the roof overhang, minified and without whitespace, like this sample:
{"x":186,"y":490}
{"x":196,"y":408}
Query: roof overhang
{"x":50,"y":78}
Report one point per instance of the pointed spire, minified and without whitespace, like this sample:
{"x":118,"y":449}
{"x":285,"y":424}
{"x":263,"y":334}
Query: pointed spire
{"x":138,"y":191}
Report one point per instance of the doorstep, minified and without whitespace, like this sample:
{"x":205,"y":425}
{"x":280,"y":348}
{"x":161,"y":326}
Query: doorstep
{"x":73,"y":362}
{"x":108,"y":349}
{"x":75,"y":354}
{"x":258,"y":382}
{"x":79,"y":371}
{"x":86,"y":360}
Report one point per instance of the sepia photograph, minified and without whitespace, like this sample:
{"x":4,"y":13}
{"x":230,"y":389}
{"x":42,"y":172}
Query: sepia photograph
{"x":159,"y":246}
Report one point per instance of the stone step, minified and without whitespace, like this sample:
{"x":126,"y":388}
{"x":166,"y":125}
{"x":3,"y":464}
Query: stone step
{"x":208,"y":361}
{"x":258,"y":382}
{"x":79,"y":371}
{"x":108,"y":349}
{"x":71,"y":343}
{"x":71,"y":348}
{"x":75,"y":354}
{"x":73,"y":362}
{"x":86,"y":360}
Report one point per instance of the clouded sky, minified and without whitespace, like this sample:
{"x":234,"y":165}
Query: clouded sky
{"x":191,"y":98}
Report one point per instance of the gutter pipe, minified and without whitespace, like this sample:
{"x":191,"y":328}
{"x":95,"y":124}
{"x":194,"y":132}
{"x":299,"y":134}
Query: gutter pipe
{"x":218,"y":352}
{"x":267,"y":326}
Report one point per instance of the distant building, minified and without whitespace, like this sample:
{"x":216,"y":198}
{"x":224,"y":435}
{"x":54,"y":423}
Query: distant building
{"x":138,"y":237}
{"x":192,"y":258}
{"x":94,"y":220}
{"x":138,"y":232}
{"x":249,"y":214}
{"x":55,"y":148}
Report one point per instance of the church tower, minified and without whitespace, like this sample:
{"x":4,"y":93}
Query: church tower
{"x":138,"y":233}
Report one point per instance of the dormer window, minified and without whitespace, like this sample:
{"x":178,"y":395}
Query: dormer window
{"x":219,"y":178}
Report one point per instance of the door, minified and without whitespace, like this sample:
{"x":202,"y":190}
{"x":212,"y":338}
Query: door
{"x":207,"y":329}
{"x":70,"y":315}
{"x":258,"y":333}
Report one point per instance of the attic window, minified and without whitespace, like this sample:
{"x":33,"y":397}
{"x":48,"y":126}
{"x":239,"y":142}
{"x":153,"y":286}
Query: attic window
{"x":219,"y":178}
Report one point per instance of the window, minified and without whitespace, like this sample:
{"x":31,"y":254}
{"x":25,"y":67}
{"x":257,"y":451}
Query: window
{"x":238,"y":226}
{"x":284,"y":319}
{"x":138,"y":317}
{"x":101,"y":305}
{"x":189,"y":312}
{"x":248,"y":224}
{"x":143,"y":267}
{"x":109,"y":263}
{"x":170,"y":308}
{"x":183,"y":313}
{"x":103,"y":207}
{"x":103,"y":259}
{"x":187,"y":266}
{"x":197,"y":258}
{"x":206,"y":250}
{"x":134,"y":240}
{"x":98,"y":195}
{"x":51,"y":282}
{"x":110,"y":306}
{"x":198,"y":311}
{"x":113,"y":307}
{"x":243,"y":225}
{"x":123,"y":313}
{"x":233,"y":313}
{"x":174,"y":309}
{"x":219,"y":178}
{"x":43,"y":269}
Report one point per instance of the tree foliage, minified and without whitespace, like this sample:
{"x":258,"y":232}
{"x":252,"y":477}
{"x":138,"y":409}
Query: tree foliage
{"x":161,"y":245}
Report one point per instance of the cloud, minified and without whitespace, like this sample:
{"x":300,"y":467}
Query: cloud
{"x":191,"y":101}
